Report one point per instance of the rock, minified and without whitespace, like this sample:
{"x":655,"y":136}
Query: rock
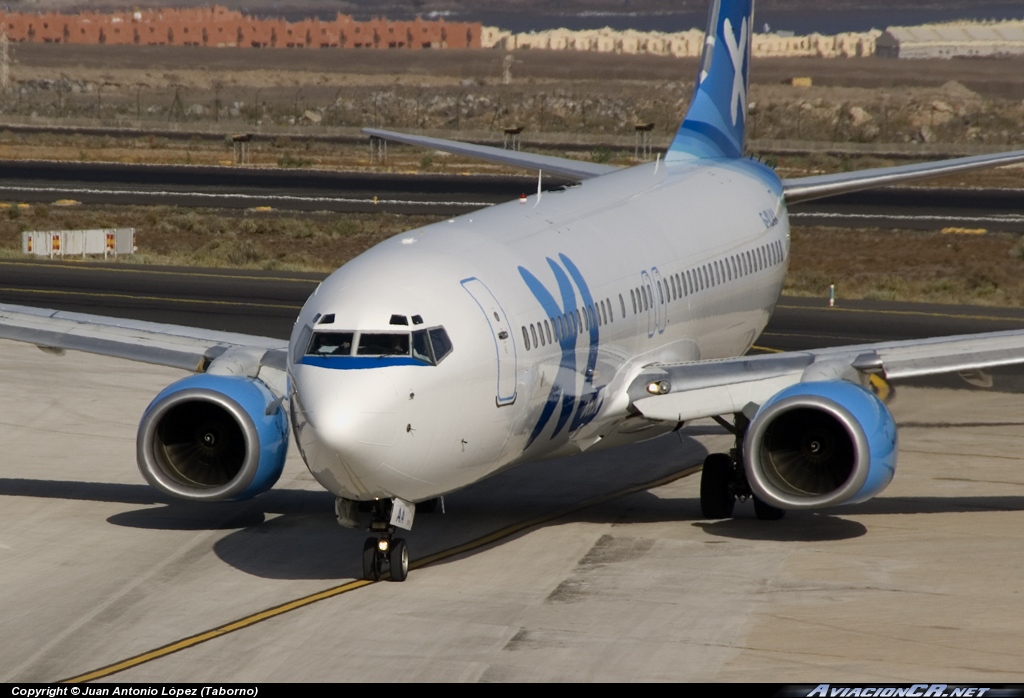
{"x":870,"y":132}
{"x":858,"y":116}
{"x":942,"y":112}
{"x":958,"y":90}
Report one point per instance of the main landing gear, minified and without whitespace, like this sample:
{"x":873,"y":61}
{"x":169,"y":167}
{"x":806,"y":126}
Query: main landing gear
{"x":383,"y":549}
{"x":724,"y":481}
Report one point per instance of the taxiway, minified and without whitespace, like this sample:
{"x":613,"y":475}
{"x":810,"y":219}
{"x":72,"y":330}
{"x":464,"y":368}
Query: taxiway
{"x":597,"y":568}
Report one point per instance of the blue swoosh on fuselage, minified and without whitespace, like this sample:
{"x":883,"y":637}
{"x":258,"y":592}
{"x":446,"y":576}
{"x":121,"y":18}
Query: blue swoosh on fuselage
{"x":563,"y":388}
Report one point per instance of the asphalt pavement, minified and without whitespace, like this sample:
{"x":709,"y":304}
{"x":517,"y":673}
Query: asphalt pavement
{"x":448,"y":194}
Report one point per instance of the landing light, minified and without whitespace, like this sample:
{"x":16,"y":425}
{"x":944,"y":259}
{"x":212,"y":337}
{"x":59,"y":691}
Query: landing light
{"x":382,"y":545}
{"x":659,"y":387}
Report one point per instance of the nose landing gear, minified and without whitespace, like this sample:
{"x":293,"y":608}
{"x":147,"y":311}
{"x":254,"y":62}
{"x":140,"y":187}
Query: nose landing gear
{"x":383,"y":549}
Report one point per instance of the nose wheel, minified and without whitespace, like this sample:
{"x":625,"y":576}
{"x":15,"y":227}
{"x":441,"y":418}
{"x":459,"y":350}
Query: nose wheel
{"x":378,"y":552}
{"x":382,"y":550}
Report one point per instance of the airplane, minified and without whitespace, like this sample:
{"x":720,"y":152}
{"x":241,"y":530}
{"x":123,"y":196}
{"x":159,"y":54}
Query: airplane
{"x":606,"y":313}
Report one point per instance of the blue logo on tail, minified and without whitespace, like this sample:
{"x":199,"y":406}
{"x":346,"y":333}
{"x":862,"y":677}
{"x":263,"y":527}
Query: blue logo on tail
{"x":564,"y":315}
{"x":715,"y":124}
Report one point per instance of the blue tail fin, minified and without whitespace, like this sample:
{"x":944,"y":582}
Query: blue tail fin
{"x":715,"y":124}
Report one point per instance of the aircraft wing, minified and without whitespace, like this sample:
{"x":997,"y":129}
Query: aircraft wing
{"x":574,"y":169}
{"x":684,"y":391}
{"x":188,"y":348}
{"x":820,"y":186}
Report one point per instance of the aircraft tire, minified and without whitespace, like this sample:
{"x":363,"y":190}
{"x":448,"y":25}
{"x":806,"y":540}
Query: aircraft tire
{"x":716,"y":498}
{"x":371,"y":561}
{"x":399,"y":558}
{"x":766,"y":512}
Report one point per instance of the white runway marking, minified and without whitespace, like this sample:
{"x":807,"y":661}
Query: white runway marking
{"x":241,"y":197}
{"x":1008,"y":218}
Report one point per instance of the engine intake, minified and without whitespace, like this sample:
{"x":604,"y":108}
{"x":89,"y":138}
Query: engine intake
{"x":817,"y":445}
{"x":213,"y":437}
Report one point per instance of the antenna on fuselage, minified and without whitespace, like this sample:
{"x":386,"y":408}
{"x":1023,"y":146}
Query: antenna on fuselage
{"x":657,"y":163}
{"x":540,"y":177}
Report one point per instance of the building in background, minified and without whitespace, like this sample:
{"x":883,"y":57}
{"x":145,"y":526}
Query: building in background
{"x":219,"y":26}
{"x":952,"y":40}
{"x":681,"y":44}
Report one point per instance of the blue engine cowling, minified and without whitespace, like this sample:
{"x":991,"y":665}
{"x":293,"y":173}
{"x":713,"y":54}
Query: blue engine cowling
{"x":212,"y":438}
{"x":817,"y":445}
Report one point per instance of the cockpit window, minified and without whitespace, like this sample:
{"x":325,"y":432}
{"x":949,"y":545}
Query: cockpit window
{"x":383,"y":344}
{"x":421,"y":347}
{"x":331,"y":344}
{"x":431,"y":345}
{"x":426,"y":346}
{"x":441,"y":344}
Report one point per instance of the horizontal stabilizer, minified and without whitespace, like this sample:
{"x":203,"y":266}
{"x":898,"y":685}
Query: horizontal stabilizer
{"x":821,"y":186}
{"x":573,"y":169}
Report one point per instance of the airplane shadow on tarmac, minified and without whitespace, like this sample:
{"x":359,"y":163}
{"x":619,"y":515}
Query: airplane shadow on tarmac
{"x":292,"y":534}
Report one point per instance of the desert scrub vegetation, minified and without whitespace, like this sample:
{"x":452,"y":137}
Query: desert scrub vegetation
{"x":903,"y":265}
{"x":907,"y":265}
{"x":219,"y":238}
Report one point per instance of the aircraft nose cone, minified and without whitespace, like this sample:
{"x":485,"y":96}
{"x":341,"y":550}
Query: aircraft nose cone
{"x":346,"y":423}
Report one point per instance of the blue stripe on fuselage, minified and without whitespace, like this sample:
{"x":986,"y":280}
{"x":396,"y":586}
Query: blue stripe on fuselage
{"x":345,"y":363}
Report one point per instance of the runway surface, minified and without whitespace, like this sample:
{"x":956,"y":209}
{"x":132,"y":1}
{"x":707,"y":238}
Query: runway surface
{"x":237,"y":187}
{"x":586,"y":571}
{"x":266,"y":303}
{"x":437,"y":194}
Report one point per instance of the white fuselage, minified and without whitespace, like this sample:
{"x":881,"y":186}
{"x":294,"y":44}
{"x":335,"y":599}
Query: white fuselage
{"x":552,"y":306}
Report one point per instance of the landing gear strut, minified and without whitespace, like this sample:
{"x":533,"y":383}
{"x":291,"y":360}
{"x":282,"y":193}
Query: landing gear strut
{"x":724,"y":481}
{"x":383,"y":549}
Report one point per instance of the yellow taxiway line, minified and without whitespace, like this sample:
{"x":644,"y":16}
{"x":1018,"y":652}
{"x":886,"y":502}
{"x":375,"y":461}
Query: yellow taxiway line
{"x":304,"y":601}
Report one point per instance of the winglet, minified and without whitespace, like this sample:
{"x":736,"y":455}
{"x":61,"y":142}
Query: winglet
{"x":715,"y":124}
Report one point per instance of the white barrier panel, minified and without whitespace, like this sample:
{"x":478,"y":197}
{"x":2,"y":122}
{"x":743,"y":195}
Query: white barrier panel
{"x":61,"y":243}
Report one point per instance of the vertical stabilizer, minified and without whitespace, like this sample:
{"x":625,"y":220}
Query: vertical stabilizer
{"x":716,"y":121}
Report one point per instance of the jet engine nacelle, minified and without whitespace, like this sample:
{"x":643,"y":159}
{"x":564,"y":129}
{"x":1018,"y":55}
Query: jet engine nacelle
{"x":821,"y":444}
{"x":213,"y":437}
